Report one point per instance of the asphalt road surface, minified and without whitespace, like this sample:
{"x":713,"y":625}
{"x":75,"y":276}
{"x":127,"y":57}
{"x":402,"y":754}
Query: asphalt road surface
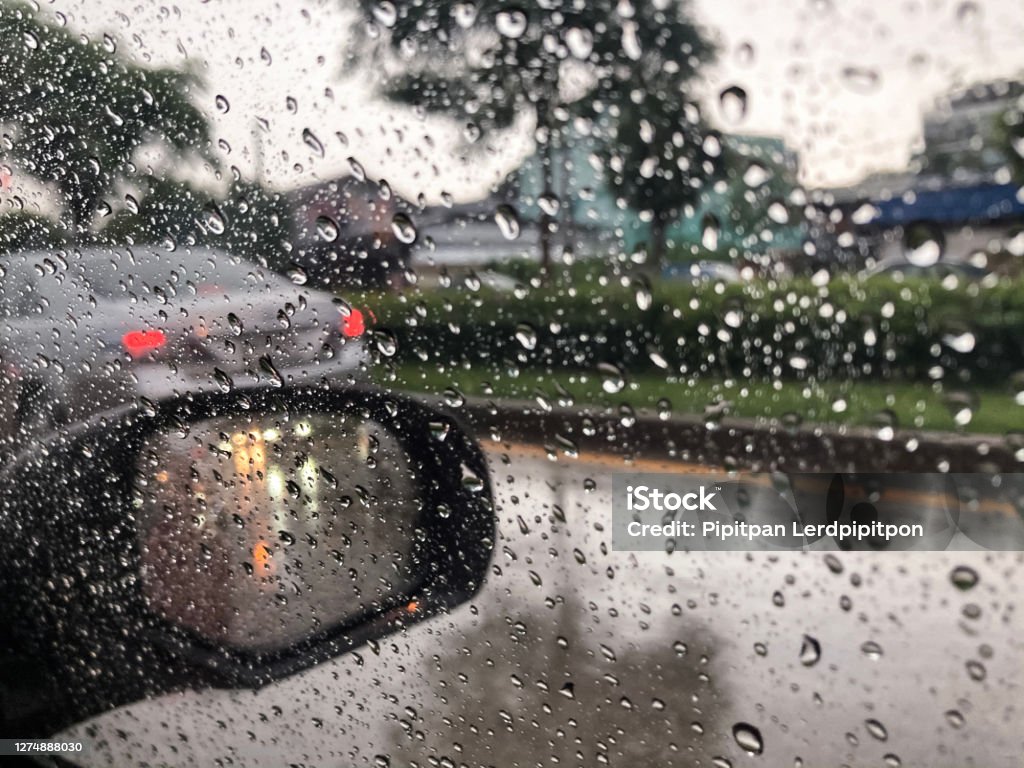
{"x":576,"y":653}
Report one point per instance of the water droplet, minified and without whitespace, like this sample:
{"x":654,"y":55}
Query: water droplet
{"x":507,"y":219}
{"x":778,"y":212}
{"x":526,"y":335}
{"x":580,"y":42}
{"x":976,"y":670}
{"x":644,"y":297}
{"x":631,"y":40}
{"x":967,"y":12}
{"x":961,"y":406}
{"x":711,"y":145}
{"x":465,"y":15}
{"x":872,"y":650}
{"x":471,"y":131}
{"x":222,"y":103}
{"x":310,"y":140}
{"x":511,"y":24}
{"x":749,"y":738}
{"x":612,"y":378}
{"x":664,"y":408}
{"x":297,"y":274}
{"x":709,"y":231}
{"x":960,"y":342}
{"x":810,"y":651}
{"x":922,"y":244}
{"x":453,"y":398}
{"x":755,"y":175}
{"x":886,"y":422}
{"x":745,"y":54}
{"x":549,"y":204}
{"x":792,"y":420}
{"x":386,"y":343}
{"x":385,"y":13}
{"x":403,"y":227}
{"x":224,"y":381}
{"x":955,"y":718}
{"x":267,"y":366}
{"x":799,"y":363}
{"x":964,"y":577}
{"x":876,"y":729}
{"x":627,"y":416}
{"x":357,"y":169}
{"x":864,"y":214}
{"x":326,"y":229}
{"x":860,"y":79}
{"x":733,"y":104}
{"x":213,"y":219}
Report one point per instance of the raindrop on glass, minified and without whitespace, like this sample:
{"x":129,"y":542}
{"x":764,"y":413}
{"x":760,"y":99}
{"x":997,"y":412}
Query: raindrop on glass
{"x":749,"y":738}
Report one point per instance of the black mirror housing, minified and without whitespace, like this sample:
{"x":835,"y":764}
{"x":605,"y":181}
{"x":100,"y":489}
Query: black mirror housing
{"x":77,"y":602}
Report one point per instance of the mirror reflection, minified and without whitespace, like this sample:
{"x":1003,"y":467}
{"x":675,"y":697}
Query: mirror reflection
{"x":260,"y":531}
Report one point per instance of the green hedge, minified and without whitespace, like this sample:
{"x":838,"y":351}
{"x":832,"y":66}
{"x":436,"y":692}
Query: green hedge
{"x":844,"y":329}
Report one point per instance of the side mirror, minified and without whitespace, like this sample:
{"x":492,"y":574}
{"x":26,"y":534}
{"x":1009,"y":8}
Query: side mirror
{"x":233,"y":539}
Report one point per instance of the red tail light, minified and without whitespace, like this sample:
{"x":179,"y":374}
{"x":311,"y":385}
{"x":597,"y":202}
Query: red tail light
{"x":139,"y":343}
{"x":353,"y":324}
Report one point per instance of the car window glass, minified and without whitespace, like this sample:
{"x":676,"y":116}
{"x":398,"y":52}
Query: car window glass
{"x":613,"y":238}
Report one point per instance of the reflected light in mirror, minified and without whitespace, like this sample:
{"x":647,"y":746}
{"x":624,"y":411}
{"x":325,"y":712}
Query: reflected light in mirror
{"x":257,"y":532}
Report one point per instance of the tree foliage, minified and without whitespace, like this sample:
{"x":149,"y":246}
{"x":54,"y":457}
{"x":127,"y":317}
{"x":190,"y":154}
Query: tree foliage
{"x":74,"y":112}
{"x":248,"y":220}
{"x":621,"y":66}
{"x":20,"y":230}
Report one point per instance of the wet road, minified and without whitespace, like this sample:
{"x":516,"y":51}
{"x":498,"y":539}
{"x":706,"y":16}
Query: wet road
{"x":578,"y":654}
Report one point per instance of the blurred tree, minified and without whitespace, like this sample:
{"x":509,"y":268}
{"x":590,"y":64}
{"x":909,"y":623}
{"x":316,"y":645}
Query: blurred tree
{"x":662,"y":159}
{"x":20,"y":230}
{"x":1009,"y":133}
{"x":759,"y":200}
{"x":489,"y":62}
{"x":75,"y":112}
{"x":247,"y":219}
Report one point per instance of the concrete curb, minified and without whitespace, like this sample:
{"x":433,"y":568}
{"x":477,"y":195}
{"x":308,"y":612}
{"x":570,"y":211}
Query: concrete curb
{"x":729,"y":442}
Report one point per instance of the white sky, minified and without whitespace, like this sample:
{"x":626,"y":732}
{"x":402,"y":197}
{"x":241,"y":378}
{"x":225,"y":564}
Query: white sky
{"x":917,"y":48}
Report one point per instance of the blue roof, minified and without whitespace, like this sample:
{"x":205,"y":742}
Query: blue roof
{"x":953,"y":205}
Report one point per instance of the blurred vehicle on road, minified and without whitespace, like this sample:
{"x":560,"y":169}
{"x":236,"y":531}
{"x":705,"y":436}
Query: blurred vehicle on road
{"x":85,"y":329}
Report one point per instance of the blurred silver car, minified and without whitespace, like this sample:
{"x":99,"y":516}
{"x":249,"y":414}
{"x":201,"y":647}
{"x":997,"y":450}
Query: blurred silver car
{"x":82,"y":330}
